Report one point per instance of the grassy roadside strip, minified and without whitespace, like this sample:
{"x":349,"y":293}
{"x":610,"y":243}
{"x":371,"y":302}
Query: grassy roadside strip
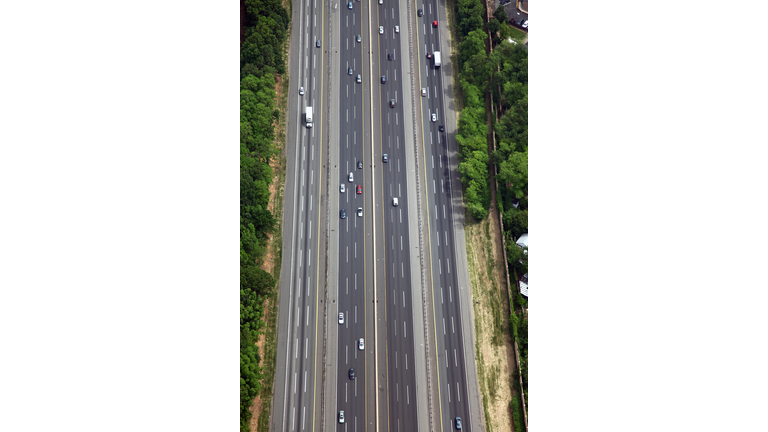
{"x":275,"y":248}
{"x":458,"y":95}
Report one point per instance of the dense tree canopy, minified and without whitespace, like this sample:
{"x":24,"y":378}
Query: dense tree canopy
{"x":260,"y":59}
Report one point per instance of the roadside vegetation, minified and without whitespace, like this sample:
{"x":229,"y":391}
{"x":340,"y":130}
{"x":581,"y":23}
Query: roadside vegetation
{"x":493,"y":83}
{"x":261,"y":58}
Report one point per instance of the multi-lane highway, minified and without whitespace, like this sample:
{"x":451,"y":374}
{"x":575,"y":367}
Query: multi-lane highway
{"x":446,"y":288}
{"x":359,"y":186}
{"x":299,"y":367}
{"x":396,"y":214}
{"x":352,"y":183}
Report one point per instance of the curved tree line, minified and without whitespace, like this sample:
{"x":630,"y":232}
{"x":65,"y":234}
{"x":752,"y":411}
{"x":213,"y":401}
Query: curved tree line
{"x":266,"y":25}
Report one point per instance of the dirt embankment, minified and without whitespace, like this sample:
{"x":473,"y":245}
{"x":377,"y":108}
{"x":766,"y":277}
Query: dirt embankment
{"x":495,"y":350}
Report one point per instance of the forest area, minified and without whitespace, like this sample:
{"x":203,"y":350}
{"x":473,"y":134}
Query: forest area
{"x":263,"y":30}
{"x":493,"y":72}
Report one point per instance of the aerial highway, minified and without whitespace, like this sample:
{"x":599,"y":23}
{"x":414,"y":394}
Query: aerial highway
{"x":299,"y":344}
{"x":456,"y":370}
{"x":372,"y":268}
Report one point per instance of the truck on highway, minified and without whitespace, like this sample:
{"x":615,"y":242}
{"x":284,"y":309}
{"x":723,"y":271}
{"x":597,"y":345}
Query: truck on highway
{"x":437,"y":59}
{"x":309,"y":116}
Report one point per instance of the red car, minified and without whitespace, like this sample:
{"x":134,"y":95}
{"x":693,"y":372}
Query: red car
{"x":429,"y":55}
{"x":359,"y":189}
{"x":434,"y":24}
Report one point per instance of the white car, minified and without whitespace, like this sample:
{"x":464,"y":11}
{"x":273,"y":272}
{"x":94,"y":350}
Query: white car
{"x":359,"y":212}
{"x":397,"y":29}
{"x":342,"y":188}
{"x":381,"y":1}
{"x":394,"y":202}
{"x":434,"y":117}
{"x":351,"y":177}
{"x":381,"y":29}
{"x":525,"y":24}
{"x":423,"y":91}
{"x":361,"y":344}
{"x":341,"y":416}
{"x":301,"y":91}
{"x":341,"y":317}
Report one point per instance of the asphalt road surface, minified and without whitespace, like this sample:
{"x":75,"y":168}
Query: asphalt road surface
{"x":298,"y":377}
{"x":447,"y":291}
{"x":374,"y":267}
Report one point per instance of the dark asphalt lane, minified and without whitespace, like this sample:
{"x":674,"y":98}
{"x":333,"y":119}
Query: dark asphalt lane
{"x":451,"y":370}
{"x":297,"y":376}
{"x":400,"y":381}
{"x":353,"y":246}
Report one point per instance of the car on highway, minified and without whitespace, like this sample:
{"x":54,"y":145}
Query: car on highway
{"x":381,"y":1}
{"x":342,"y":188}
{"x":317,"y":44}
{"x":359,"y":189}
{"x":441,"y":128}
{"x":359,"y":212}
{"x":341,"y":317}
{"x":394,"y":202}
{"x":423,"y":91}
{"x":361,"y":344}
{"x":389,"y":57}
{"x":359,"y":39}
{"x":301,"y":91}
{"x":383,"y":79}
{"x":391,"y":103}
{"x":351,"y":176}
{"x":434,"y":24}
{"x":385,"y":158}
{"x":381,"y":29}
{"x":434,"y":117}
{"x":341,"y":416}
{"x":429,"y":55}
{"x":458,"y":423}
{"x":359,"y":78}
{"x":343,"y":214}
{"x":349,"y":71}
{"x":349,"y":6}
{"x":352,"y":373}
{"x":397,"y":29}
{"x":420,"y":12}
{"x":360,"y":164}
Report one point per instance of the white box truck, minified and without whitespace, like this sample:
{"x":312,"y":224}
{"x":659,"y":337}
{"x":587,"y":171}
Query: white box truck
{"x":437,"y":59}
{"x":309,"y":116}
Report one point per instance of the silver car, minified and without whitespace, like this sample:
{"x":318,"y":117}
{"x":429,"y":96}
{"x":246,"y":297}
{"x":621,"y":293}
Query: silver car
{"x":351,"y":177}
{"x":359,"y":78}
{"x":301,"y":91}
{"x":397,"y":29}
{"x":359,"y":39}
{"x":342,"y":188}
{"x":341,"y":317}
{"x":361,"y":344}
{"x":381,"y":29}
{"x":359,"y":212}
{"x":423,"y":91}
{"x":434,"y":117}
